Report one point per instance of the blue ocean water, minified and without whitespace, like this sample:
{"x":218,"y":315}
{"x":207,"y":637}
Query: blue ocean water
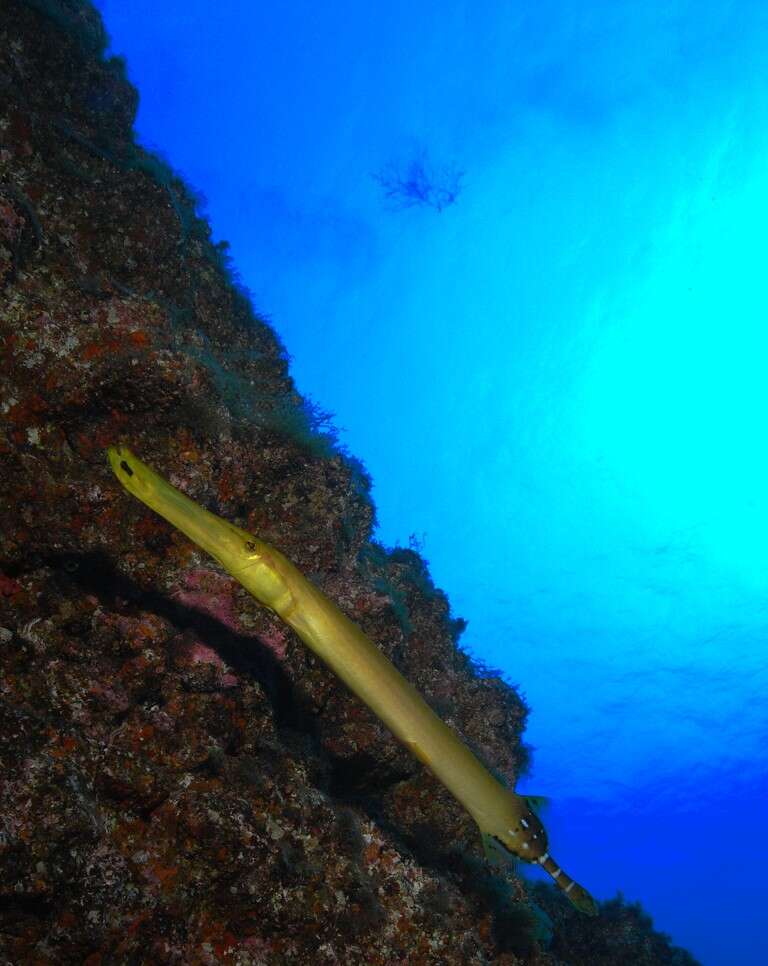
{"x":557,"y":381}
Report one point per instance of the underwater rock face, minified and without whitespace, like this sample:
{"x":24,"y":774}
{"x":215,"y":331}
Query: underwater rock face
{"x":180,"y":780}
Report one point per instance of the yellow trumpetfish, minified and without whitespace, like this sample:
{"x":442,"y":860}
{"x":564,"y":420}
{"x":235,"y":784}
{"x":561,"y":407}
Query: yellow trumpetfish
{"x":506,"y":822}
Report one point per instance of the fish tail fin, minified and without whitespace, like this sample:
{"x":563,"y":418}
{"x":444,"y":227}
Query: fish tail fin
{"x":577,"y":895}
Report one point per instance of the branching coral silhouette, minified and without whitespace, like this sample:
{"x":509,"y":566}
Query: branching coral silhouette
{"x":419,"y":183}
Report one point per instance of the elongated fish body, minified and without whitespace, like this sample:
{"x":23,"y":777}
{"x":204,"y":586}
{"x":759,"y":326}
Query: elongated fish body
{"x":507,"y":824}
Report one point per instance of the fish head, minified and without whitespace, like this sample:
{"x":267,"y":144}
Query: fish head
{"x":515,"y":829}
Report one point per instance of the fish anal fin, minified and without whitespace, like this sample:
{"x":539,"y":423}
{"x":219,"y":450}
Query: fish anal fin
{"x":495,"y":851}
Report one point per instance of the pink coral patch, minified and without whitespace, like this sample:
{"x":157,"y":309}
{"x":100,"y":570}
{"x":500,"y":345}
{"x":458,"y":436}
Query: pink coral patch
{"x":275,"y":640}
{"x":211,"y":593}
{"x":188,"y":649}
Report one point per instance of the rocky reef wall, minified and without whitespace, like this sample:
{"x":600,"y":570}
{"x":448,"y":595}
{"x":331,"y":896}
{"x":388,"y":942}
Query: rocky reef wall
{"x":180,"y":780}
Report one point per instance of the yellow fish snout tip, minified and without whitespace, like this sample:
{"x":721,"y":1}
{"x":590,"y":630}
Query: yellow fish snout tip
{"x":128,"y":469}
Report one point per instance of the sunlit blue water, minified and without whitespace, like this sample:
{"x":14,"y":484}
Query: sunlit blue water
{"x":558,"y":383}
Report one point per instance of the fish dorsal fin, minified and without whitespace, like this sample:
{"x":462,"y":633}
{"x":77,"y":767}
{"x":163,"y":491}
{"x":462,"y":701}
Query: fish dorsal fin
{"x":538,"y":804}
